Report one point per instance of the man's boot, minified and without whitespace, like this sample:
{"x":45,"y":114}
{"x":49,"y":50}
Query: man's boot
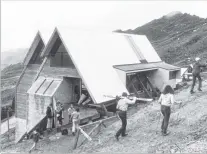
{"x":199,"y":89}
{"x":192,"y":92}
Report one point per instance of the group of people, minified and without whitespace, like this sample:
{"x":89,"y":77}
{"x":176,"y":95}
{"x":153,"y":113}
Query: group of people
{"x":166,"y":100}
{"x":74,"y":118}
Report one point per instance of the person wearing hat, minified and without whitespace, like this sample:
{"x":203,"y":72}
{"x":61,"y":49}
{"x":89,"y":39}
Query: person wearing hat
{"x":122,"y":107}
{"x":196,"y":74}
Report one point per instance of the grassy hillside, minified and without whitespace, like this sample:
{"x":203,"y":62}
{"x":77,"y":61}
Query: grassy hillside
{"x":12,"y":57}
{"x":9,"y":78}
{"x":176,"y":37}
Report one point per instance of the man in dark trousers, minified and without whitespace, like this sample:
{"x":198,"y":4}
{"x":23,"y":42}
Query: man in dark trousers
{"x":122,"y":107}
{"x":196,"y":74}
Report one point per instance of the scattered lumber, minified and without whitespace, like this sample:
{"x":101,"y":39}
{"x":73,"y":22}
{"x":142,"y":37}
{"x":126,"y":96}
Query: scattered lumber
{"x":97,"y":124}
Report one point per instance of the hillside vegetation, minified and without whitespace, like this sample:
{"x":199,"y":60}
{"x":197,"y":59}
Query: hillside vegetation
{"x":176,"y":37}
{"x":13,"y":56}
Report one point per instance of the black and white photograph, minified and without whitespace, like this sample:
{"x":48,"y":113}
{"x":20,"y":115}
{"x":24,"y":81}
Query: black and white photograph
{"x":103,"y":76}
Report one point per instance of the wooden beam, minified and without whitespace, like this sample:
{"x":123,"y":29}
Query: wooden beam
{"x":85,"y":134}
{"x":150,"y":84}
{"x":104,"y":108}
{"x":98,"y":125}
{"x":138,"y":98}
{"x":131,"y":84}
{"x":143,"y":86}
{"x":135,"y":91}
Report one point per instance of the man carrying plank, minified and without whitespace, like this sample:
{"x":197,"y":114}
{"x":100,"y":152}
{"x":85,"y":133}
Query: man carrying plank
{"x":122,"y":107}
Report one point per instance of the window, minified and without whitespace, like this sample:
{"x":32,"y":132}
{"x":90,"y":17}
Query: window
{"x":172,"y":75}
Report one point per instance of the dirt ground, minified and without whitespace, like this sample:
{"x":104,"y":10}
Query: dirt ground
{"x":188,"y":130}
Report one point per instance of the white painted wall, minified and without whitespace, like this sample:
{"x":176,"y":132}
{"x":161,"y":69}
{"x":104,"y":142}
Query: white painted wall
{"x":37,"y":109}
{"x":64,"y":92}
{"x":20,"y":128}
{"x":160,"y":78}
{"x":122,"y":76}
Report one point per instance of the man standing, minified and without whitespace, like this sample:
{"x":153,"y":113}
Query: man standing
{"x":196,"y":74}
{"x":49,"y":114}
{"x":122,"y":107}
{"x":75,"y":120}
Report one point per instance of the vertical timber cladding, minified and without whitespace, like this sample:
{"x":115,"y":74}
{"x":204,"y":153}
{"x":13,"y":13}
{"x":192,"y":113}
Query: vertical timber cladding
{"x":23,"y":86}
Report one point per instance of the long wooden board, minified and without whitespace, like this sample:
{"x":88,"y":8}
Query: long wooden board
{"x":140,"y":99}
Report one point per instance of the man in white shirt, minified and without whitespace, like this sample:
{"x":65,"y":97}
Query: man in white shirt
{"x":122,"y":107}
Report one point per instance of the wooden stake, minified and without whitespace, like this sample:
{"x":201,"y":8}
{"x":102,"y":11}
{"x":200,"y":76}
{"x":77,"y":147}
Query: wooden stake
{"x":143,"y":86}
{"x":98,"y":125}
{"x":104,"y":108}
{"x":85,"y":134}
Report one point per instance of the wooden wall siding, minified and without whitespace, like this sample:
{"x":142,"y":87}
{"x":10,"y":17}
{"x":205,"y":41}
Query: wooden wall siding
{"x":26,"y":79}
{"x":56,"y":72}
{"x":22,"y":98}
{"x":22,"y":88}
{"x":21,"y":111}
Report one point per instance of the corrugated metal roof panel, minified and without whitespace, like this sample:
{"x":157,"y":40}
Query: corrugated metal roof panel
{"x":35,"y":86}
{"x":53,"y":87}
{"x":44,"y":86}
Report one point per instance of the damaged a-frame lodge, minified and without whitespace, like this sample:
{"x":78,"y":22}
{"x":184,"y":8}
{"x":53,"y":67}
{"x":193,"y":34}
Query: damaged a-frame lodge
{"x":98,"y":63}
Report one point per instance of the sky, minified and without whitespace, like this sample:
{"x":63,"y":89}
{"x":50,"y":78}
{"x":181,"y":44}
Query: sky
{"x":20,"y":20}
